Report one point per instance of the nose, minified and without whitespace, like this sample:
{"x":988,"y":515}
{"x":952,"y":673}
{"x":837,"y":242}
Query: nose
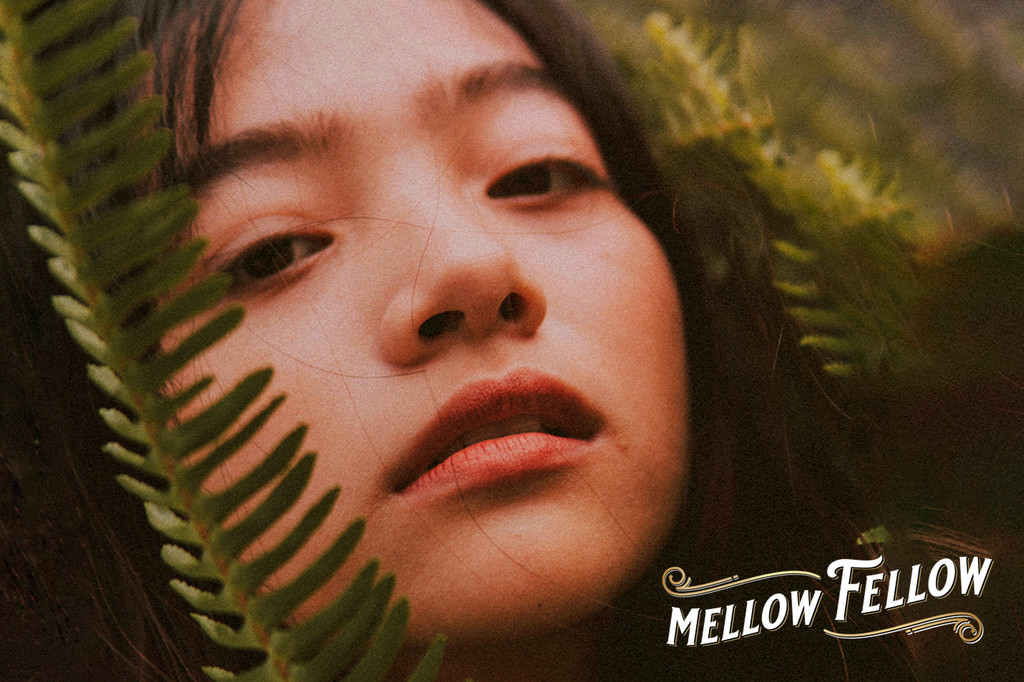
{"x":468,"y":288}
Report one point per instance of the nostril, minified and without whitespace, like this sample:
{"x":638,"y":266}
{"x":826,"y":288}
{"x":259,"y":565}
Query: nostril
{"x":512,"y":308}
{"x":436,"y":325}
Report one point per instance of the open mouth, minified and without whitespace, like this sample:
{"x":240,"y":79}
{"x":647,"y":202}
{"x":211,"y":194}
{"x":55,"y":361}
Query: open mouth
{"x":524,"y":423}
{"x":499,"y":410}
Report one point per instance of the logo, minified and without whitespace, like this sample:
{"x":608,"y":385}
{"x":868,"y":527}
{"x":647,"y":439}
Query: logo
{"x":869,"y":593}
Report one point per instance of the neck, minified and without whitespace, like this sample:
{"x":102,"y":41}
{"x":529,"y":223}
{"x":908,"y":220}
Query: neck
{"x":565,"y":654}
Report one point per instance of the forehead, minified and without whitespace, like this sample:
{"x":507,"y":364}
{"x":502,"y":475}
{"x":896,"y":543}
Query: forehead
{"x":288,"y":58}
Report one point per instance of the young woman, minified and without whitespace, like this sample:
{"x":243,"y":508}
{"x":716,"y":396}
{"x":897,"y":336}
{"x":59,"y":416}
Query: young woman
{"x":453,"y":247}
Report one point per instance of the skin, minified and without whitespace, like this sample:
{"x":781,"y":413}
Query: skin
{"x":414,"y":194}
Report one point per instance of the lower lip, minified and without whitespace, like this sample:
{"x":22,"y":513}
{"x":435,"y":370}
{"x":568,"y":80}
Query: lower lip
{"x":499,"y":461}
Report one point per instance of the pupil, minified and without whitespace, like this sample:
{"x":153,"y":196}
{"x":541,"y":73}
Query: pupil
{"x":268,"y":259}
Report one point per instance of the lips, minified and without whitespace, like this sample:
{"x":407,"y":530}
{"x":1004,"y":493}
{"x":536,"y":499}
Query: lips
{"x":496,"y":430}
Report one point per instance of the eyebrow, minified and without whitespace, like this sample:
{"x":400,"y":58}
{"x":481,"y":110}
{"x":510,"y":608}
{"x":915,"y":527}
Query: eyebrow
{"x":324,"y":132}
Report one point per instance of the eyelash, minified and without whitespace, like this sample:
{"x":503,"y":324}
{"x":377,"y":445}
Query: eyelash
{"x":545,"y":178}
{"x":273,"y":256}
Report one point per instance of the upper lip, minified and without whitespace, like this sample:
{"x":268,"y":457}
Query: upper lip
{"x":560,"y":409}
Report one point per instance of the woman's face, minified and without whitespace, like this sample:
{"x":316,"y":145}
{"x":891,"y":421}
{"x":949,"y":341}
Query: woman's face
{"x":486,"y":341}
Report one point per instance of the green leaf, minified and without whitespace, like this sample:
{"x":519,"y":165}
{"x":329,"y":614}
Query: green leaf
{"x":20,"y":8}
{"x":877,"y":535}
{"x":840,"y":369}
{"x":137,"y":248}
{"x":108,"y":381}
{"x":183,"y":562}
{"x":123,"y":454}
{"x":376,"y":662}
{"x":835,"y":344}
{"x":127,"y":168}
{"x":219,"y":674}
{"x":28,"y":164}
{"x":222,"y":634}
{"x":173,"y":526}
{"x":74,"y":105}
{"x":794,"y":252}
{"x":231,"y":543}
{"x":272,"y":610}
{"x":216,"y":419}
{"x":144,"y":491}
{"x":124,"y":426}
{"x":819,"y":317}
{"x":58,"y":22}
{"x":72,"y":309}
{"x":148,"y":286}
{"x":154,"y":373}
{"x":42,"y":200}
{"x":192,"y":477}
{"x":801,"y":290}
{"x":250,"y":577}
{"x":45,"y":75}
{"x":71,"y":158}
{"x":142,"y":337}
{"x":88,"y":340}
{"x":430,"y":665}
{"x":346,"y":644}
{"x":206,"y":601}
{"x":127,"y":265}
{"x":50,"y":241}
{"x":113,"y":227}
{"x":65,"y":273}
{"x":14,"y":137}
{"x":215,"y":509}
{"x":160,"y":410}
{"x":303,"y":641}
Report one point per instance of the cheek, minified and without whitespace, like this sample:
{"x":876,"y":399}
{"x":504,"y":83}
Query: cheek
{"x":321,"y":326}
{"x":619,"y":293}
{"x":638,"y":315}
{"x":617,"y":313}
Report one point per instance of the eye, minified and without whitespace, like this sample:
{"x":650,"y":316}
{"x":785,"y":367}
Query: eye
{"x":273,"y":256}
{"x":543,"y":178}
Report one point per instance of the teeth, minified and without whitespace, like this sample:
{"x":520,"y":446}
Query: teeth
{"x":508,"y":427}
{"x":525,"y":423}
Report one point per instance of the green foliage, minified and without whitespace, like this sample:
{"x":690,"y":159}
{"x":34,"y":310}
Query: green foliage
{"x":841,"y":258}
{"x":857,"y":262}
{"x":929,"y":88}
{"x":127,"y":266}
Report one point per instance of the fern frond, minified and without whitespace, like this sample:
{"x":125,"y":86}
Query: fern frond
{"x":128,"y":268}
{"x":843,"y":258}
{"x":708,"y":99}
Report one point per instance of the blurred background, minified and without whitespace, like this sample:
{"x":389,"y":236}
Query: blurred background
{"x":931,"y":89}
{"x":866,"y":156}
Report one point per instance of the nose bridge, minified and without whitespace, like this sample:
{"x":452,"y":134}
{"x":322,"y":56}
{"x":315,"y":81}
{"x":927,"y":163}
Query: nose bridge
{"x":464,"y":260}
{"x":467,"y":269}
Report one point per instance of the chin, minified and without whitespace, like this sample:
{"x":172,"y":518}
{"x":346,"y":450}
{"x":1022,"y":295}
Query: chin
{"x":504,"y":581}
